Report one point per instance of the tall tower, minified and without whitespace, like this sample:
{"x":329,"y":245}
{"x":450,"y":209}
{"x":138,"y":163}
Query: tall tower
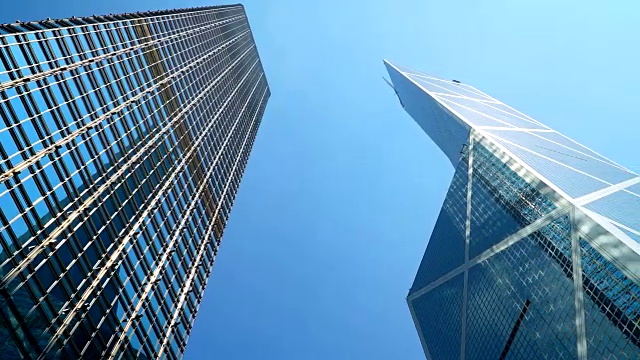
{"x":535,"y":253}
{"x":122,"y":144}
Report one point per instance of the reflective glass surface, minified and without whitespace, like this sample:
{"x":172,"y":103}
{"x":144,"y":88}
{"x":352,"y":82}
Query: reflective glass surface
{"x":571,"y":182}
{"x":122,"y":145}
{"x":501,"y":202}
{"x":533,"y":278}
{"x":612,"y":308}
{"x":635,"y":189}
{"x":575,"y":160}
{"x":537,"y":278}
{"x":622,"y":206}
{"x":445,"y":250}
{"x":482,"y":113}
{"x":439,"y":314}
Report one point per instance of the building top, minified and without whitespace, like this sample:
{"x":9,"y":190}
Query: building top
{"x":604,"y":190}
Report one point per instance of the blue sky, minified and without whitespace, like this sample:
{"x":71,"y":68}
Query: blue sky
{"x":342,"y":188}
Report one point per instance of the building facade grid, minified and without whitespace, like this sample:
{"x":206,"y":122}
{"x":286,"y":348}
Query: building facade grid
{"x":123,"y":142}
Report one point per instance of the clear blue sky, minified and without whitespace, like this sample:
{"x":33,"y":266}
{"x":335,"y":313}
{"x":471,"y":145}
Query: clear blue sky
{"x":342,"y":188}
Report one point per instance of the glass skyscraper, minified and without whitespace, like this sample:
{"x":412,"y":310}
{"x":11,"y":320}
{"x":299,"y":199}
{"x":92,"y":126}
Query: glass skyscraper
{"x":122,"y":144}
{"x":535,"y":253}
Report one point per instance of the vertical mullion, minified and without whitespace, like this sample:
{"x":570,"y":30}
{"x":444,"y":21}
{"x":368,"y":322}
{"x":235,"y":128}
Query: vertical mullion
{"x":578,"y":290}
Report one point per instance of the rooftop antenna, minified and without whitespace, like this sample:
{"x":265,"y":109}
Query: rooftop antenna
{"x":394,"y":89}
{"x":388,"y":83}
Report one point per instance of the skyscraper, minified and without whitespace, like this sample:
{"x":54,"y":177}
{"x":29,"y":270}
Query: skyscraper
{"x":122,"y":145}
{"x":535,"y":253}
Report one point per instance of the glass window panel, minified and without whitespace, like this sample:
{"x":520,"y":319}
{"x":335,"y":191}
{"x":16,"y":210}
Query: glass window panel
{"x":481,"y":110}
{"x":612,"y":307}
{"x":445,"y":250}
{"x":621,"y":206}
{"x":569,"y":181}
{"x":577,"y":160}
{"x":523,"y":296}
{"x":442,"y":306}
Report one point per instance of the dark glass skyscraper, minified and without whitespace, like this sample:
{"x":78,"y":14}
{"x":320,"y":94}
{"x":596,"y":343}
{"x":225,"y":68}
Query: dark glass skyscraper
{"x":535,"y":253}
{"x":122,"y":145}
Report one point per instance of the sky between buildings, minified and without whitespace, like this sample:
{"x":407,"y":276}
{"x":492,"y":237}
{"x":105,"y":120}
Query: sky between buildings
{"x":342,"y":189}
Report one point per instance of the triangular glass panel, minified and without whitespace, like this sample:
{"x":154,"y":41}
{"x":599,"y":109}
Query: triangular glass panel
{"x":621,"y":206}
{"x":445,"y":250}
{"x":473,"y":117}
{"x":438,"y":313}
{"x":444,"y":87}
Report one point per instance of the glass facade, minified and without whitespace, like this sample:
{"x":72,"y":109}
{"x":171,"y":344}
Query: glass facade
{"x":535,"y":253}
{"x":122,"y":145}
